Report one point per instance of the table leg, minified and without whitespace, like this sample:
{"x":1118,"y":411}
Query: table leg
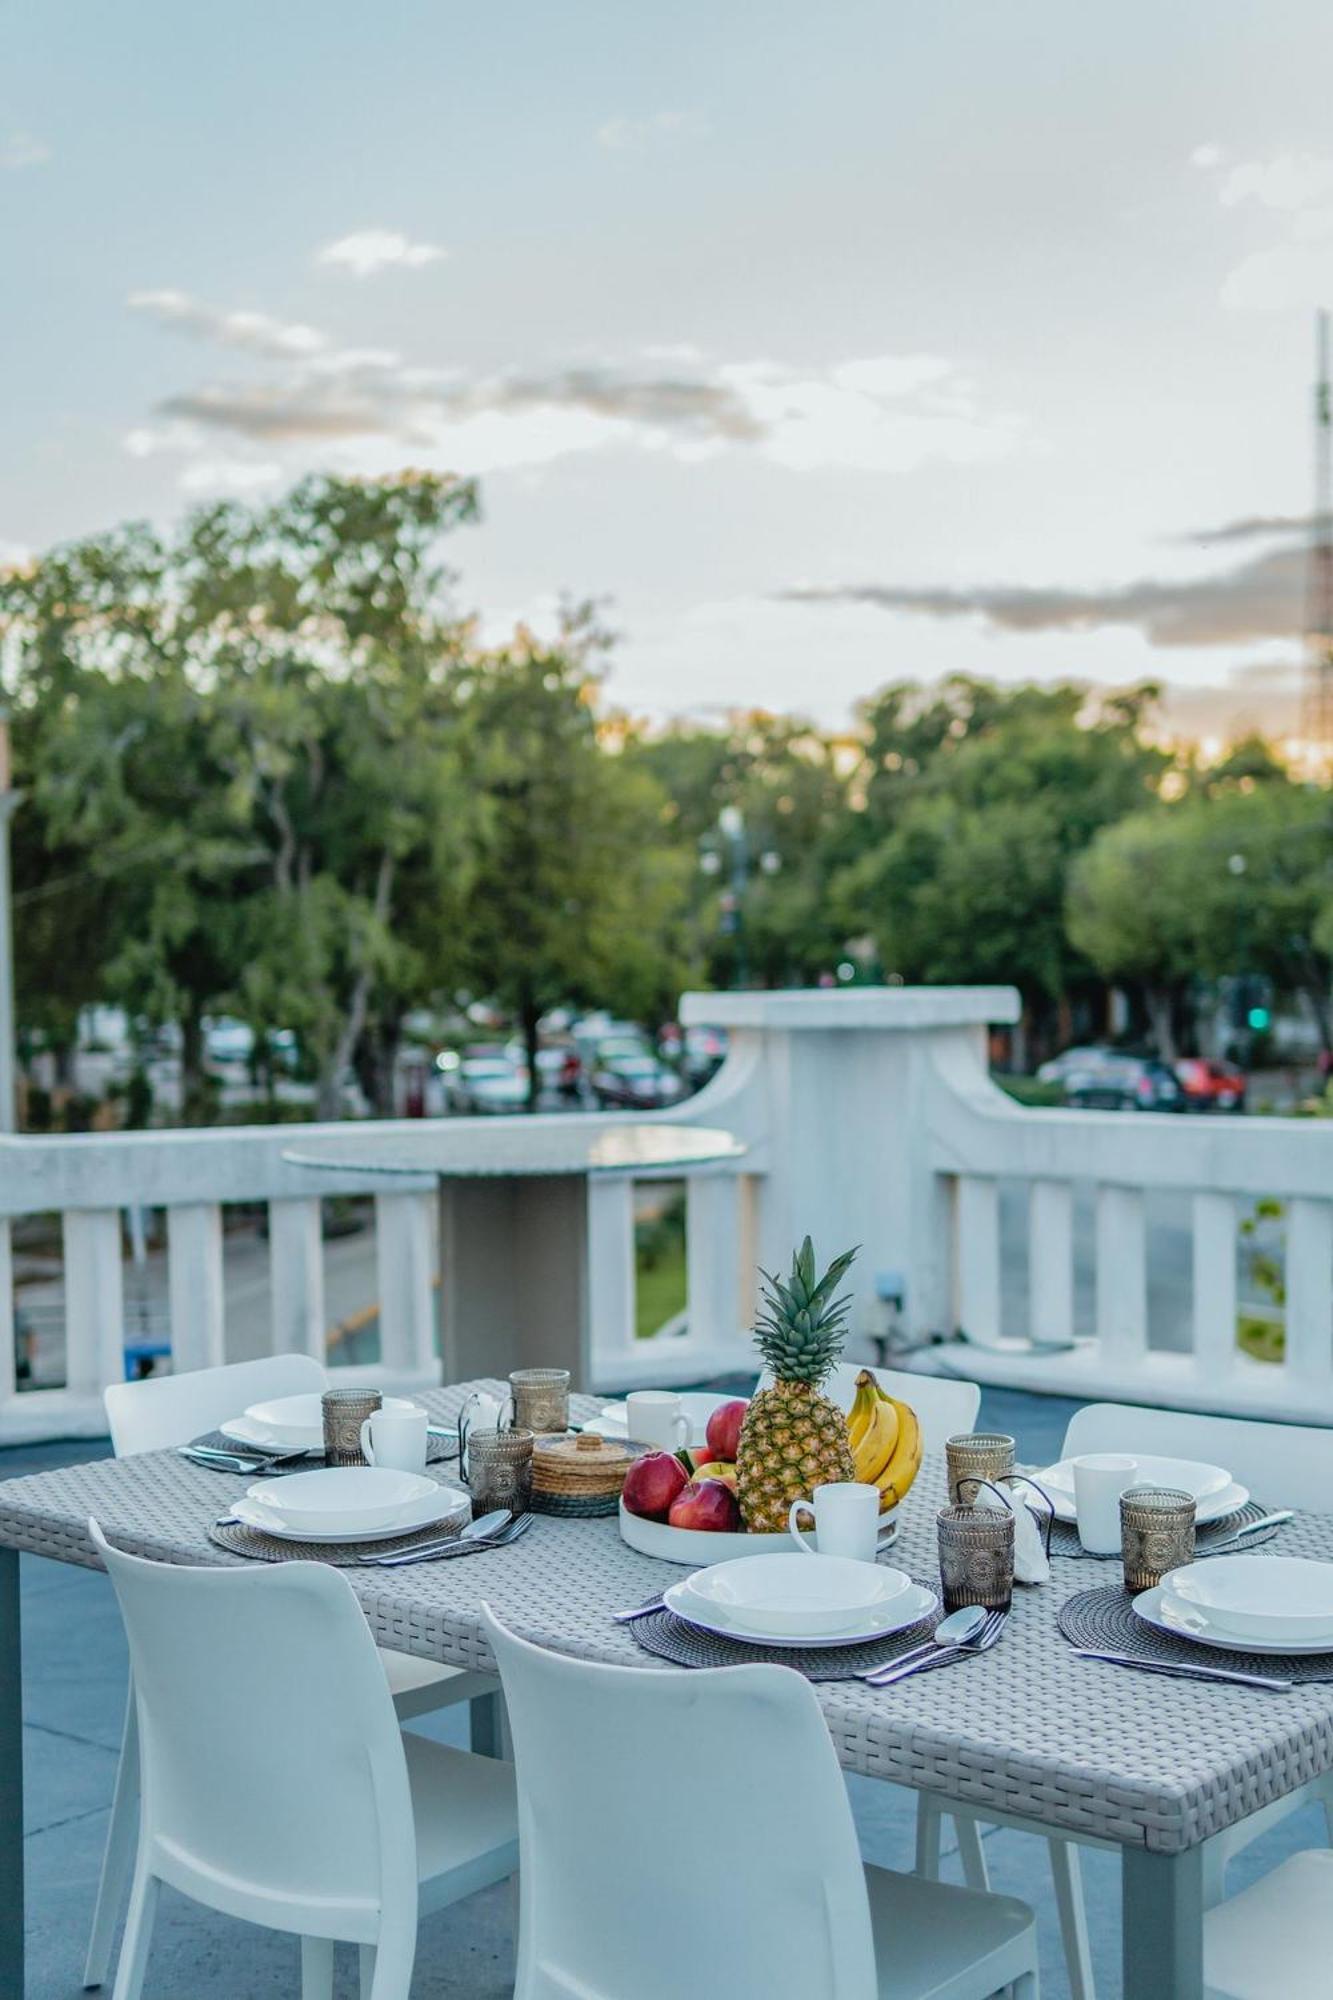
{"x":11,"y":1782}
{"x":486,"y":1725}
{"x":1161,"y":1925}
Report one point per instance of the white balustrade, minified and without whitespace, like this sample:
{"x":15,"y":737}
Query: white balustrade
{"x":867,"y":1117}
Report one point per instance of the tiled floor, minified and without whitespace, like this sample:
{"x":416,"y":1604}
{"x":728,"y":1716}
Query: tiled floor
{"x":74,"y":1682}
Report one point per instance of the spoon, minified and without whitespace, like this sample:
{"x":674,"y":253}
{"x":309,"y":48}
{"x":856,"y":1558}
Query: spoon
{"x":956,"y":1630}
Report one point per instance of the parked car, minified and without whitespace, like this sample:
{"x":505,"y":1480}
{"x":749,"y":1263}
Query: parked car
{"x":485,"y":1084}
{"x":1110,"y":1081}
{"x":1067,"y":1062}
{"x":1212,"y":1085}
{"x":559,"y":1066}
{"x":636,"y":1083}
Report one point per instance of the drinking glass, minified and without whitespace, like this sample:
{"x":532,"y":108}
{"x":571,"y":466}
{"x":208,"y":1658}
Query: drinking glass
{"x":344,"y":1411}
{"x":541,"y":1399}
{"x":1156,"y":1534}
{"x":500,"y":1471}
{"x":975,"y":1455}
{"x":976,"y":1557}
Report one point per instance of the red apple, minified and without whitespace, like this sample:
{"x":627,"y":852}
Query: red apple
{"x":724,"y":1429}
{"x":708,"y":1505}
{"x":652,"y":1483}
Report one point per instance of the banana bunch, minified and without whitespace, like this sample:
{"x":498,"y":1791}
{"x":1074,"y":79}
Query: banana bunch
{"x":885,"y":1438}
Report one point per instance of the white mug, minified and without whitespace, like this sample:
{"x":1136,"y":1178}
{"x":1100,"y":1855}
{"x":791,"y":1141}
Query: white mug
{"x":656,"y":1418}
{"x":395,"y":1439}
{"x":1100,"y":1477}
{"x":846,"y":1515}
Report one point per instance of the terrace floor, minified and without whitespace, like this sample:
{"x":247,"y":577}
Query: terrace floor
{"x":74,"y":1685}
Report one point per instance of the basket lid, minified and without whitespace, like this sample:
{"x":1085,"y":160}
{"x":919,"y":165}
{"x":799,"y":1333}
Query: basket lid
{"x":582,"y":1463}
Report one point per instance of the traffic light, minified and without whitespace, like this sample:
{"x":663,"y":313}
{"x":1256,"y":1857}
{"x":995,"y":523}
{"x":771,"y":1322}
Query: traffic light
{"x":1258,"y":1018}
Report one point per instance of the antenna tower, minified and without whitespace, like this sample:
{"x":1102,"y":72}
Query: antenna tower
{"x":1317,"y":719}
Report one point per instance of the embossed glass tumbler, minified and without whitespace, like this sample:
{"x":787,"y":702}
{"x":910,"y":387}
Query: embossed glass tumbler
{"x":1156,"y":1534}
{"x":976,"y":1557}
{"x":500,"y":1471}
{"x":976,"y":1455}
{"x":344,"y":1411}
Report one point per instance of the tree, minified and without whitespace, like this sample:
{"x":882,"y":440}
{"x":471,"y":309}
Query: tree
{"x":573,"y":893}
{"x":1127,"y":910}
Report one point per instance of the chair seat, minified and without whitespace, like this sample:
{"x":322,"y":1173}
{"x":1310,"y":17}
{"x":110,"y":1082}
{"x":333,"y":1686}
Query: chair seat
{"x":466,"y":1814}
{"x":936,"y":1942}
{"x":1274,"y":1941}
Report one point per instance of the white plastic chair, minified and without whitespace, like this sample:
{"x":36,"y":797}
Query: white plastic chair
{"x":1274,"y":1941}
{"x":154,"y":1415}
{"x":277,"y":1786}
{"x":623,"y":1868}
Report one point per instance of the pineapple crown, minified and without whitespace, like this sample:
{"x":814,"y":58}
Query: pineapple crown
{"x":802,"y":1326}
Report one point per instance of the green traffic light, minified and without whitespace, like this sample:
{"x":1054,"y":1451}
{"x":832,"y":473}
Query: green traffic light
{"x":1258,"y":1018}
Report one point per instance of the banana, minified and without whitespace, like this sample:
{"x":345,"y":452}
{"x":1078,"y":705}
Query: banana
{"x":895,"y":1478}
{"x":878,"y":1444}
{"x":858,"y":1417}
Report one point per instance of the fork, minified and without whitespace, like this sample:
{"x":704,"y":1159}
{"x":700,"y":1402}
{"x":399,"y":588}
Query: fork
{"x":445,"y":1550}
{"x":938,"y":1656}
{"x":639,"y":1611}
{"x":213,"y":1459}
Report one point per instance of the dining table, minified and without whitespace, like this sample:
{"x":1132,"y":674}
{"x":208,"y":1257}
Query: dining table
{"x":1029,"y":1732}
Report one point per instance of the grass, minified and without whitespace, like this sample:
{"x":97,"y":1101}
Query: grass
{"x":1030,"y":1090}
{"x":660,"y":1292}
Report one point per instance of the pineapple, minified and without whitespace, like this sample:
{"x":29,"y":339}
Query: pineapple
{"x":794,"y":1439}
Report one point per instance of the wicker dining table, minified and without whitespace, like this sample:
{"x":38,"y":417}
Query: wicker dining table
{"x":1029,"y":1732}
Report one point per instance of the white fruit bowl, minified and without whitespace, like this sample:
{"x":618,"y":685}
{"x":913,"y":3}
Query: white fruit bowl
{"x":698,"y":1548}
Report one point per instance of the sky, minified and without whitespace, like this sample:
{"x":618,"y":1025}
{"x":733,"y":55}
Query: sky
{"x":825,"y":347}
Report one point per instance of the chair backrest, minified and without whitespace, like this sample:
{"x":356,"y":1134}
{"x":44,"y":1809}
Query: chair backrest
{"x":1284,"y":1465}
{"x":273,"y":1772}
{"x":668,"y":1819}
{"x":164,"y":1410}
{"x":944,"y":1407}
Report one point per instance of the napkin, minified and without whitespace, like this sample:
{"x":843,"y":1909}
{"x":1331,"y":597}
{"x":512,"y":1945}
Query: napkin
{"x":1031,"y":1562}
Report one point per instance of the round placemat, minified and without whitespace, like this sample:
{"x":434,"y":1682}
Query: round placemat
{"x":1065,"y":1541}
{"x":1106,"y":1621}
{"x":439,"y":1450}
{"x":240,"y":1540}
{"x":671,"y":1638}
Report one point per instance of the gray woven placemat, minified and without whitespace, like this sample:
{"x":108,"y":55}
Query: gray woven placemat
{"x":438,"y":1452}
{"x":1106,"y":1620}
{"x":240,"y":1540}
{"x":672,"y":1638}
{"x":1065,"y":1541}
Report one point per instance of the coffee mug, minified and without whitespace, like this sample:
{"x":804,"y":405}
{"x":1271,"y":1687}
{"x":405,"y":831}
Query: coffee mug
{"x":1100,"y":1477}
{"x":395,"y":1439}
{"x":846,"y":1515}
{"x":656,"y":1418}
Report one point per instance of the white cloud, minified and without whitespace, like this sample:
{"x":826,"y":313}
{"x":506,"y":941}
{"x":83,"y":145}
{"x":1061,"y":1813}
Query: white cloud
{"x":278,"y":339}
{"x":631,"y":135}
{"x":229,"y":475}
{"x":1295,"y":190}
{"x":21,"y":150}
{"x":367,"y":251}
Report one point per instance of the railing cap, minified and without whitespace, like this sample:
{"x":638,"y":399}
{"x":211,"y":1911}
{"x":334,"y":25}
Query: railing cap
{"x":892,"y":1007}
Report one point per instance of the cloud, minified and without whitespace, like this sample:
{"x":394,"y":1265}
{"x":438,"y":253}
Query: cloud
{"x":367,"y":251}
{"x":277,"y":339}
{"x":22,"y":150}
{"x":1295,"y":190}
{"x":632,"y":135}
{"x":1258,"y":599}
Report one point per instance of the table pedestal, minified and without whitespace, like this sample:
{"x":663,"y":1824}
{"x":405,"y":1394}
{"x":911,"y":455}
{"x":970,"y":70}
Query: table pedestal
{"x":514,"y":1276}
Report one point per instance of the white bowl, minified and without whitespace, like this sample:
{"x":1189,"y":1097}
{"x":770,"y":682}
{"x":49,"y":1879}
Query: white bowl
{"x":1186,"y":1475}
{"x":346,"y":1496}
{"x":1256,"y":1596}
{"x":796,"y":1594}
{"x":697,"y":1548}
{"x":297,"y":1422}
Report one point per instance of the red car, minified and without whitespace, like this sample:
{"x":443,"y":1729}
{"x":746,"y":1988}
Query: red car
{"x":1211,"y":1085}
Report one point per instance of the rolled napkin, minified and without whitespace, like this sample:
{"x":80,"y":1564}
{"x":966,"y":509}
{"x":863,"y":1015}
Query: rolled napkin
{"x":1031,"y":1562}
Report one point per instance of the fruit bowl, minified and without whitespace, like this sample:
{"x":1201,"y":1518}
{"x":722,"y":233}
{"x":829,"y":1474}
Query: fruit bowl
{"x":698,"y":1549}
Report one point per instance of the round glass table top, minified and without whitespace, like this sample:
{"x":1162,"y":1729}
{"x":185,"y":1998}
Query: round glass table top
{"x":517,"y":1147}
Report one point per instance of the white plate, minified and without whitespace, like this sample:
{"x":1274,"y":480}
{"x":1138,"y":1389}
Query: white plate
{"x":789,"y":1597}
{"x":698,"y":1549}
{"x":612,"y":1421}
{"x":1215,"y":1508}
{"x":291,"y":1423}
{"x":1188,"y":1475}
{"x":1151,"y":1608}
{"x":1255,"y":1596}
{"x":907,"y":1608}
{"x":447,"y":1501}
{"x":347,"y":1498}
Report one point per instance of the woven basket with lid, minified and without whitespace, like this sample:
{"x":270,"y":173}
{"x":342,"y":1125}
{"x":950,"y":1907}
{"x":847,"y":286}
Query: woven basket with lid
{"x":578,"y":1475}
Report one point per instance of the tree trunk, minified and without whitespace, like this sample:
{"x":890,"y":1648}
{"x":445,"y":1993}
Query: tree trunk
{"x":1157,"y":1000}
{"x":194,"y":1086}
{"x":329,"y":1101}
{"x":529,"y":1014}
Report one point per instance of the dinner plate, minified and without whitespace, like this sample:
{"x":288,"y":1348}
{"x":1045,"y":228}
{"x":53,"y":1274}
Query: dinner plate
{"x":1255,"y":1596}
{"x":424,"y":1513}
{"x":348,"y":1498}
{"x":612,"y":1420}
{"x":909,"y":1607}
{"x":290,"y":1423}
{"x":1187,"y":1475}
{"x":1215,"y":1508}
{"x":789,"y":1597}
{"x":1151,"y":1608}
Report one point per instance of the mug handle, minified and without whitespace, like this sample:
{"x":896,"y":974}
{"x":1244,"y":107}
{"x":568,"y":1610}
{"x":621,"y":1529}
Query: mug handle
{"x":366,"y":1452}
{"x":800,"y":1507}
{"x":683,"y":1429}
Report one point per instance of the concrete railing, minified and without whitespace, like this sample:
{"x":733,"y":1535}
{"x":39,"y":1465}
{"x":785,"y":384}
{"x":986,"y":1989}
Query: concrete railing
{"x":867,"y":1117}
